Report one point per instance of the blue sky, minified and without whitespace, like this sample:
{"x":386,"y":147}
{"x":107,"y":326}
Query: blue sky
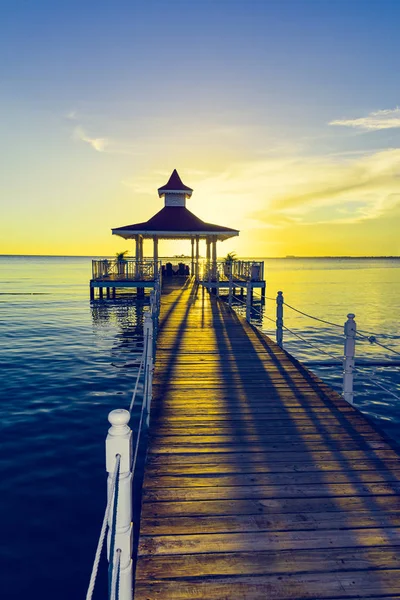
{"x":273,"y":111}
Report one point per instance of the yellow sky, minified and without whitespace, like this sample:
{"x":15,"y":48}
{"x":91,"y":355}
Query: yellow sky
{"x":338,"y":204}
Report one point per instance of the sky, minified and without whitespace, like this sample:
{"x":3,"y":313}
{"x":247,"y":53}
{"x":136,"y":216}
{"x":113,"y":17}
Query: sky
{"x":282,"y":115}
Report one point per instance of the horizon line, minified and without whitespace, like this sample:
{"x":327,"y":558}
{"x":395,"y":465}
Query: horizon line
{"x":287,"y":257}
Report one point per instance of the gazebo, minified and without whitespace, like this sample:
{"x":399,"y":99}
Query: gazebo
{"x":175,"y":221}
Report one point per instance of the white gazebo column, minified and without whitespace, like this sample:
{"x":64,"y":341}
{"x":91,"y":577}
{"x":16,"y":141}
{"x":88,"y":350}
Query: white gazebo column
{"x":155,"y":254}
{"x":192,"y":269}
{"x":197,"y":258}
{"x":208,"y":258}
{"x":214,"y":258}
{"x":137,"y":254}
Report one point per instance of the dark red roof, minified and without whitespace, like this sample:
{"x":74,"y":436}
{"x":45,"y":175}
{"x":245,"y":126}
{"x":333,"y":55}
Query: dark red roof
{"x":175,"y":218}
{"x":174,"y":184}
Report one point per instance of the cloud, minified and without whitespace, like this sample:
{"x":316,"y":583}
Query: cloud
{"x":98,"y":144}
{"x":71,"y":115}
{"x":381,"y":119}
{"x":276,"y":192}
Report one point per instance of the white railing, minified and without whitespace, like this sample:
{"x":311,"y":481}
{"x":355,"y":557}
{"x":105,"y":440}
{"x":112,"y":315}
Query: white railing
{"x":108,"y":269}
{"x":237,"y":270}
{"x":350,"y":335}
{"x":121,"y":459}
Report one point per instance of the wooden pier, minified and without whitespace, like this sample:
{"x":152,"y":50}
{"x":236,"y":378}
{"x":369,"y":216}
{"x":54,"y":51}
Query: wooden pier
{"x":260,"y":481}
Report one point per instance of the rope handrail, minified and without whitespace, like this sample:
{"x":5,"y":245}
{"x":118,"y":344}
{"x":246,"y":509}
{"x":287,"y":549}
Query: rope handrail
{"x":137,"y":383}
{"x":372,"y":340}
{"x":135,"y":454}
{"x":312,"y":317}
{"x":236,"y":299}
{"x":311,"y":344}
{"x":264,"y":316}
{"x":103,"y":530}
{"x":138,"y":376}
{"x":375,"y":382}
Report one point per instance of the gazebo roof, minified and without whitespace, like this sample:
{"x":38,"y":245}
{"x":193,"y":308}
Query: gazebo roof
{"x":175,"y":222}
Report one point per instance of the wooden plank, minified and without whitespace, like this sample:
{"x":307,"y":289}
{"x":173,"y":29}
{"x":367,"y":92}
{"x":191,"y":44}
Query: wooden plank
{"x":252,"y":506}
{"x":271,"y":491}
{"x":266,"y":479}
{"x":267,"y":563}
{"x":307,"y":448}
{"x":271,"y":541}
{"x":276,"y":460}
{"x":270,"y":522}
{"x":262,"y":465}
{"x":342,"y":584}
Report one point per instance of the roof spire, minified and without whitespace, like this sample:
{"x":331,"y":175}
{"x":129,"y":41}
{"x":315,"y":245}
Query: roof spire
{"x":175,"y":191}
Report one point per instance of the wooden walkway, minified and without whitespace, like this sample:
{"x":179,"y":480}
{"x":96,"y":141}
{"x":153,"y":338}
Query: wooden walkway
{"x":260,"y":482}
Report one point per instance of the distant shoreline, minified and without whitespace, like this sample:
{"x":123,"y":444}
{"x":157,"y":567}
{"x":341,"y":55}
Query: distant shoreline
{"x":289,"y":257}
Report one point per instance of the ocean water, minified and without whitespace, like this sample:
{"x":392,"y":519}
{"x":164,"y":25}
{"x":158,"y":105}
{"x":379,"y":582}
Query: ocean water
{"x":65,"y":364}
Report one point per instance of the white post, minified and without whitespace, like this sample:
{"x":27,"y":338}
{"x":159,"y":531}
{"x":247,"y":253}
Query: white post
{"x":197,"y":259}
{"x":279,"y":319}
{"x":217,"y":285}
{"x":248,"y":302}
{"x":350,"y":329}
{"x":192,"y":267}
{"x":230,"y":285}
{"x":214,"y":259}
{"x":119,"y":441}
{"x":137,"y":253}
{"x":208,"y":262}
{"x":155,"y":255}
{"x":148,"y":366}
{"x":154,"y":316}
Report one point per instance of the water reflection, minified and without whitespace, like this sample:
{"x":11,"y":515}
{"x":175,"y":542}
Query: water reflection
{"x":125,"y":316}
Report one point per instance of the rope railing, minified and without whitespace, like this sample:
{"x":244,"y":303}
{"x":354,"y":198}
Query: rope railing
{"x":103,"y":530}
{"x":372,"y":380}
{"x":121,"y":464}
{"x":335,"y":357}
{"x":350,"y":335}
{"x":313,"y":317}
{"x":137,"y":382}
{"x":372,"y":340}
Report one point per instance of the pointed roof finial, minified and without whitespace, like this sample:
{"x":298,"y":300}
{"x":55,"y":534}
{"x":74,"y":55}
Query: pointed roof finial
{"x":175,"y":185}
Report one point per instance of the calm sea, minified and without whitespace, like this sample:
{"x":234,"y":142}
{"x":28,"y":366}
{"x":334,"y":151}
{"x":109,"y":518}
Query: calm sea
{"x":66,"y":364}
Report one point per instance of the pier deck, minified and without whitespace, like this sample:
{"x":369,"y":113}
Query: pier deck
{"x":260,"y":481}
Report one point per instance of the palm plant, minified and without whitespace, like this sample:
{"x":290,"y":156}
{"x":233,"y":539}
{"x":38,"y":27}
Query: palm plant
{"x":230,"y":257}
{"x":121,"y":255}
{"x":120,"y":258}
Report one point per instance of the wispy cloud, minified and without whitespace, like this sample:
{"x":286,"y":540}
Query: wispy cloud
{"x":381,"y":119}
{"x":305,"y":190}
{"x":72,"y":115}
{"x":97,"y":143}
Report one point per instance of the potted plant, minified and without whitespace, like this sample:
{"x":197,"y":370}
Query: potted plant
{"x":229,"y":258}
{"x":121,"y":262}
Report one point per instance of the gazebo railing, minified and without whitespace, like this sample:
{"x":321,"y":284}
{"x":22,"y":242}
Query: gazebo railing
{"x":239,"y":270}
{"x":127,"y":269}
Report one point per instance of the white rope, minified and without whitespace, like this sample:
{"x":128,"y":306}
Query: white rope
{"x":384,"y":388}
{"x":137,"y":383}
{"x":139,"y":432}
{"x":312,"y":317}
{"x":374,"y":382}
{"x":103,"y":530}
{"x":372,"y":340}
{"x":311,"y":344}
{"x":115,"y":575}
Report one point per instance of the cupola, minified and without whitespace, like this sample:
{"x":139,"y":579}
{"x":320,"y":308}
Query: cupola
{"x":174,"y":191}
